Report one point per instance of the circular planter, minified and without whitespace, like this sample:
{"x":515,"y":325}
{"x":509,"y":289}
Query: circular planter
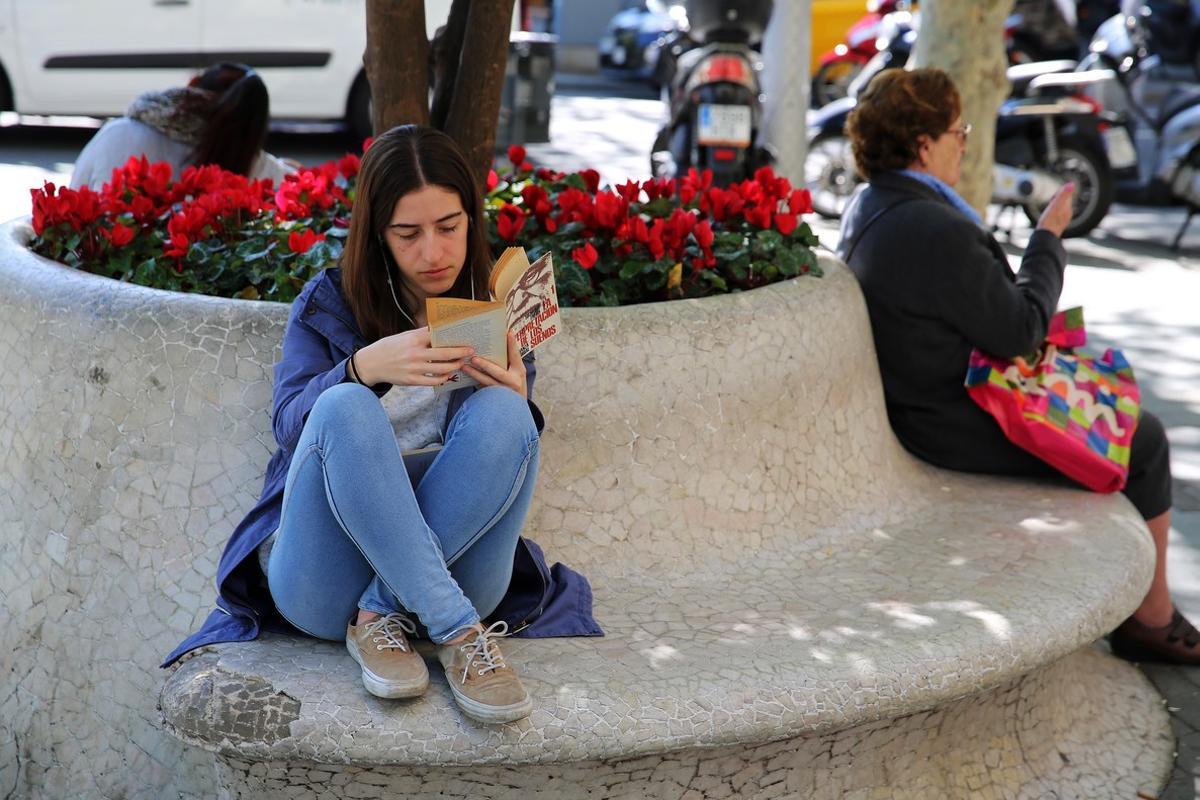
{"x":685,"y":440}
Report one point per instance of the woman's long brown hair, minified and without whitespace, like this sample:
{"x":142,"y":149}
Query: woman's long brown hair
{"x":235,"y":127}
{"x":400,"y":161}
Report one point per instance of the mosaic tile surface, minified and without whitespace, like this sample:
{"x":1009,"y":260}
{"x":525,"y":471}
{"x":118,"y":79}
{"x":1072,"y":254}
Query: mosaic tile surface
{"x":1076,"y":730}
{"x":767,"y":560}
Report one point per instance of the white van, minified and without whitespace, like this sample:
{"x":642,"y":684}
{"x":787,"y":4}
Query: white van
{"x":92,"y":57}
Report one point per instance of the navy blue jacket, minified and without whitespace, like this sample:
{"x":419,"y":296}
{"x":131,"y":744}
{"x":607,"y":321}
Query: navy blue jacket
{"x":321,"y":335}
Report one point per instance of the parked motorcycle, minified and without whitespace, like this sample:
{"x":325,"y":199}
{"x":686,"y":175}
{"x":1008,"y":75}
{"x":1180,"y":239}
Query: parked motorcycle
{"x":1089,"y":14}
{"x":842,"y":64}
{"x":1164,"y":116}
{"x":715,"y":97}
{"x":1039,"y":31}
{"x":1169,"y":29}
{"x":1042,"y":140}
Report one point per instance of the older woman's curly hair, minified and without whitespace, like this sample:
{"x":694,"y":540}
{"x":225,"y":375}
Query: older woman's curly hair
{"x":897,"y":108}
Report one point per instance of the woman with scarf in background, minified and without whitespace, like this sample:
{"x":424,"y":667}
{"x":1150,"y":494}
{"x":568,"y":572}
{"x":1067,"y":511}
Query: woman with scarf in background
{"x":220,"y":118}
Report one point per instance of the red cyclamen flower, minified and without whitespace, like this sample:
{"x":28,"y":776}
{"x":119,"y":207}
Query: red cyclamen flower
{"x":786,"y":223}
{"x":585,"y":256}
{"x":759,"y":216}
{"x":591,"y":179}
{"x":509,"y":222}
{"x":800,"y":202}
{"x":302,"y":241}
{"x":119,"y":236}
{"x":610,"y":209}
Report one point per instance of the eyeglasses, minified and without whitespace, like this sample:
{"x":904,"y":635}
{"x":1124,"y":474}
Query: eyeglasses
{"x":961,"y":132}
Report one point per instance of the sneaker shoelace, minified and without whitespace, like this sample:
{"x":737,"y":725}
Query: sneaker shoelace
{"x":482,"y":652}
{"x":388,"y":631}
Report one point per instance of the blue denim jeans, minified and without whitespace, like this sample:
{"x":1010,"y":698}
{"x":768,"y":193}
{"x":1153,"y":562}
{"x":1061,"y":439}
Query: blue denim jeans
{"x":356,"y":532}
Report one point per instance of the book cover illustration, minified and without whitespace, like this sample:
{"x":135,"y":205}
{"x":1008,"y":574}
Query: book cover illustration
{"x":532,"y":304}
{"x":528,"y":308}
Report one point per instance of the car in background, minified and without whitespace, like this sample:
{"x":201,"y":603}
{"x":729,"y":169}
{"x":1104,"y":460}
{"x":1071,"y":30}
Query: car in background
{"x":630,"y":44}
{"x":91,"y":58}
{"x":831,"y":20}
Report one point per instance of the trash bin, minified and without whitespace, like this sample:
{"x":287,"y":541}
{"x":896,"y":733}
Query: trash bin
{"x":528,"y":87}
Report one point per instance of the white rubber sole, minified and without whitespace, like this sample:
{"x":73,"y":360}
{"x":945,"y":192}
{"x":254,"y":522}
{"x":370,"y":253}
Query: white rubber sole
{"x":380,"y":687}
{"x":492,"y":715}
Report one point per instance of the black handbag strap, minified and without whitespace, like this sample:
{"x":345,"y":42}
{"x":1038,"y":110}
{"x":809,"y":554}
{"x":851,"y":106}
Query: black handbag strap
{"x":871,"y":221}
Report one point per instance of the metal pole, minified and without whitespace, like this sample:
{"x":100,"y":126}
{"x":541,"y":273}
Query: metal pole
{"x":787,"y":44}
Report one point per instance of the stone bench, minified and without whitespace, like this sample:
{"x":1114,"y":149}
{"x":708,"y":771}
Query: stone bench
{"x":794,"y":605}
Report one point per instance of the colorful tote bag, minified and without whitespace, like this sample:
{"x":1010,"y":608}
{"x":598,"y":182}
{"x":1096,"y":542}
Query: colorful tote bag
{"x":1073,"y":410}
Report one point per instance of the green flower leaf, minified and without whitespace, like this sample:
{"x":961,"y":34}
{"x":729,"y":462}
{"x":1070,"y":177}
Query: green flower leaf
{"x":254,"y":249}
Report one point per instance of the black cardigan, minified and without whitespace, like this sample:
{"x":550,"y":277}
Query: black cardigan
{"x":937,"y":285}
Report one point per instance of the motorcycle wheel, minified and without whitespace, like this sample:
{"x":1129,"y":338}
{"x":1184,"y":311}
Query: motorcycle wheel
{"x":829,"y":174}
{"x":1079,"y":161}
{"x":832,"y":81}
{"x":662,"y":163}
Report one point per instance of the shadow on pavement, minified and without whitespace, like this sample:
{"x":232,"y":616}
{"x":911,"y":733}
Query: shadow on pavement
{"x":1157,"y":243}
{"x":1016,"y":248}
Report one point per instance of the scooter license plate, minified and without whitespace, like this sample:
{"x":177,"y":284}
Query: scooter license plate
{"x":727,"y":125}
{"x":1119,"y":147}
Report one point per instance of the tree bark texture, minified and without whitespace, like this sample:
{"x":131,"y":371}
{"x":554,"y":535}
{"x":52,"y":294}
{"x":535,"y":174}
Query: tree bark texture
{"x":786,"y":84}
{"x":966,"y":38}
{"x":397,"y":63}
{"x":474,"y":104}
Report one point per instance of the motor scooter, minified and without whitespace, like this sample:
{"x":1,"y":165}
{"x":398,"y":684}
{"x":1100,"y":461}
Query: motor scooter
{"x":1038,"y":31}
{"x":1047,"y":133}
{"x":1163,"y":113}
{"x":842,"y":64}
{"x":1169,"y":29}
{"x":715,"y":98}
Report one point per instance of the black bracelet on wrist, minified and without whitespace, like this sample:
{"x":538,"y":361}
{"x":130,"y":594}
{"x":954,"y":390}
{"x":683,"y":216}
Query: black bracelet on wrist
{"x":353,"y":370}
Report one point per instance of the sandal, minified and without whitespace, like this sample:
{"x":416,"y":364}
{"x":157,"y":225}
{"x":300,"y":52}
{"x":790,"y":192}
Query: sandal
{"x":1177,"y":642}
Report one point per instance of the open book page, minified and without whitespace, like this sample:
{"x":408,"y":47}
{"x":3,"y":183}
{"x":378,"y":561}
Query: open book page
{"x":444,"y":310}
{"x":532,"y":303}
{"x":505,"y":272}
{"x":485,"y":332}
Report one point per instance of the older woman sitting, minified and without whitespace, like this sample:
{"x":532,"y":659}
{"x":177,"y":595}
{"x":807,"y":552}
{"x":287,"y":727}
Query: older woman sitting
{"x":937,"y":285}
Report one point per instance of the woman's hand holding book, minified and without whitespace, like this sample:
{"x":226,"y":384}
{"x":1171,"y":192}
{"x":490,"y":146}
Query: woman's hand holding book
{"x":489,"y":373}
{"x":407,"y":359}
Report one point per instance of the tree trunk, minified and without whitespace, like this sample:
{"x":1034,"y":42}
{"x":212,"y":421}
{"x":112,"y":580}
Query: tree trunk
{"x":475,"y":100}
{"x":967,"y":40}
{"x":786,"y":84}
{"x":397,"y":62}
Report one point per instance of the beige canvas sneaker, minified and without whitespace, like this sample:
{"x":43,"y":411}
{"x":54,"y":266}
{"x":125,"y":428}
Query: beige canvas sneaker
{"x":390,"y":667}
{"x":484,"y":686}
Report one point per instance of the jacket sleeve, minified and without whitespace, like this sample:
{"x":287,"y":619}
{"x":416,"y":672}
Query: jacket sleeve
{"x":530,"y":375}
{"x":999,"y":315}
{"x":304,"y":370}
